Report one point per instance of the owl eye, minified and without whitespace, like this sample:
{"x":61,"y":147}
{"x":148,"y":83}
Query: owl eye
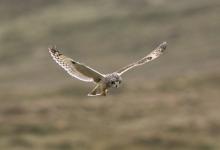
{"x":112,"y":82}
{"x":119,"y":82}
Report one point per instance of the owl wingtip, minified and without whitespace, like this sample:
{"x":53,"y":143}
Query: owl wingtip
{"x":52,"y":47}
{"x":163,"y":45}
{"x":54,"y":51}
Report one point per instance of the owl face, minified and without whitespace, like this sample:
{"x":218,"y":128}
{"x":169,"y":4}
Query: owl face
{"x":115,"y":83}
{"x":114,"y":80}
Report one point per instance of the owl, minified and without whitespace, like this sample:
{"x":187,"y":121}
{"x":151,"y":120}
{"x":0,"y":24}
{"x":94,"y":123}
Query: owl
{"x":103,"y":81}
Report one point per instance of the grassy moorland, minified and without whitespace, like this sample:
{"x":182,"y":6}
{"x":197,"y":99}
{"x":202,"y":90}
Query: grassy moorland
{"x":169,"y":104}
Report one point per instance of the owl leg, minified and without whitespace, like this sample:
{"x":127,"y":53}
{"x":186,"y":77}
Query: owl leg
{"x":95,"y":91}
{"x":104,"y":92}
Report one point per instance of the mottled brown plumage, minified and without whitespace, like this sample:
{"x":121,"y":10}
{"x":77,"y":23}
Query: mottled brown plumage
{"x":103,"y":81}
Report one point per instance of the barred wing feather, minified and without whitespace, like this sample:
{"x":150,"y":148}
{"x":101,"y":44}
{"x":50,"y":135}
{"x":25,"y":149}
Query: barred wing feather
{"x":75,"y":69}
{"x":153,"y":55}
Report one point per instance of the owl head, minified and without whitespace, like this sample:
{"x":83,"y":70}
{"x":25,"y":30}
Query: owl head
{"x":114,"y":80}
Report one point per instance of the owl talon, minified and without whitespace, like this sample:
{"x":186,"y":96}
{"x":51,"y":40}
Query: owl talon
{"x":104,"y":93}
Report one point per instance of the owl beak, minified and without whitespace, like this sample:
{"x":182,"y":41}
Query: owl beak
{"x":117,"y":84}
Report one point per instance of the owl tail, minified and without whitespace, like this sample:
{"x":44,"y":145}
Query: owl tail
{"x":96,"y":91}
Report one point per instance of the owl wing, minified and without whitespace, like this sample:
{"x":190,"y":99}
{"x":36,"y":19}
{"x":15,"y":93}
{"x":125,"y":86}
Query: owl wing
{"x":153,"y":55}
{"x":75,"y":69}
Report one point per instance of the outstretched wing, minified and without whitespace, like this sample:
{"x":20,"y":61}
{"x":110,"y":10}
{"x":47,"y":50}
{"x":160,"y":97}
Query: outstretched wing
{"x":153,"y":55}
{"x":75,"y":69}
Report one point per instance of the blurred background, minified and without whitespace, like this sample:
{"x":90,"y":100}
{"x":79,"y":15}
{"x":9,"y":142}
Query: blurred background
{"x":171,"y":103}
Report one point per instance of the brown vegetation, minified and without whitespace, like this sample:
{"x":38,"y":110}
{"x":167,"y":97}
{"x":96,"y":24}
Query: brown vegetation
{"x":171,"y":103}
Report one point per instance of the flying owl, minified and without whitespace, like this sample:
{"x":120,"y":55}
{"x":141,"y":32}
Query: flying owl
{"x":103,"y":81}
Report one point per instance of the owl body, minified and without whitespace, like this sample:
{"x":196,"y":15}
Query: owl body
{"x":112,"y":80}
{"x":103,"y":81}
